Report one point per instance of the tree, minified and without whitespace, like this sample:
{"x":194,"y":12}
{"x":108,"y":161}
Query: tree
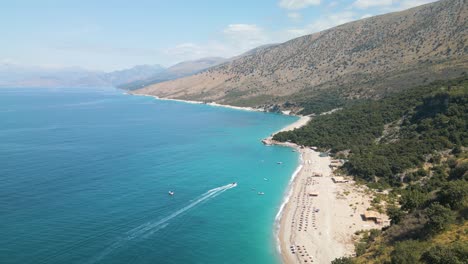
{"x":343,"y":260}
{"x":459,"y":171}
{"x":360,"y":248}
{"x":439,"y":217}
{"x":412,"y":199}
{"x":407,"y":252}
{"x":456,"y":253}
{"x":454,"y":194}
{"x":395,"y":214}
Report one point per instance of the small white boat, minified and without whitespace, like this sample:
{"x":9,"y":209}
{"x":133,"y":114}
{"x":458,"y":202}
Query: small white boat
{"x":265,"y":179}
{"x":279,"y":162}
{"x":234,"y":184}
{"x":260,"y":193}
{"x":171,"y":193}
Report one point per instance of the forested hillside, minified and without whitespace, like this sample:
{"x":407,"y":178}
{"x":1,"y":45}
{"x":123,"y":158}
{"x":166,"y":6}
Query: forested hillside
{"x":414,"y":145}
{"x":388,"y":136}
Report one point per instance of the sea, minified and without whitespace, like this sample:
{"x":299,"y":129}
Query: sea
{"x":85,"y":176}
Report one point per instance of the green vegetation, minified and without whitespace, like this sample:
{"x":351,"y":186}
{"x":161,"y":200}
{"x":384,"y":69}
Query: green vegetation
{"x":430,"y":225}
{"x":446,"y":254}
{"x":439,"y":218}
{"x":395,"y":214}
{"x":455,"y":193}
{"x":324,"y":101}
{"x":426,"y":119}
{"x":343,"y":260}
{"x":414,"y":143}
{"x":407,"y":252}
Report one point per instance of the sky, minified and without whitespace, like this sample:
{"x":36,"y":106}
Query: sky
{"x":110,"y":35}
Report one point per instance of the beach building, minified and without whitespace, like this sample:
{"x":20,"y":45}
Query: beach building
{"x":372,"y":216}
{"x":339,"y":180}
{"x":336,"y":164}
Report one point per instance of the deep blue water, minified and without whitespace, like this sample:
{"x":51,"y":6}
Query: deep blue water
{"x":85,"y":175}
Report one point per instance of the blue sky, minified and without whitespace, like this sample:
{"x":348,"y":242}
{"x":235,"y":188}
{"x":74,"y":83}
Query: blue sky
{"x":110,"y":35}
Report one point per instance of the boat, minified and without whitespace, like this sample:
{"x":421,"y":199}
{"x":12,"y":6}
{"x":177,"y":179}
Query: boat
{"x":171,"y":193}
{"x":265,"y":179}
{"x":279,"y":162}
{"x":260,"y":193}
{"x":234,"y":184}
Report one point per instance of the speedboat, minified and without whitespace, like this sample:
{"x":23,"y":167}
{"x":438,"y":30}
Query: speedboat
{"x":279,"y":162}
{"x":234,"y":184}
{"x":171,"y":193}
{"x":260,"y":193}
{"x":265,"y":179}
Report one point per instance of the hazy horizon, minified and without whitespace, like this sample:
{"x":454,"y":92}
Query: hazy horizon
{"x":99,"y":37}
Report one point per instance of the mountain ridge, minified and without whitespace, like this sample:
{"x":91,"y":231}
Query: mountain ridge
{"x":175,"y":71}
{"x":367,"y":58}
{"x":13,"y":75}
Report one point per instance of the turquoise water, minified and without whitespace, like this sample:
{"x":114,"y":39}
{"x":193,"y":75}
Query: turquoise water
{"x":85,"y":175}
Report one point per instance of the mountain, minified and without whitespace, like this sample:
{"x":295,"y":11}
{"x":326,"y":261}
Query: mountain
{"x":12,"y":75}
{"x":179,"y":70}
{"x":368,"y":58}
{"x":139,"y":72}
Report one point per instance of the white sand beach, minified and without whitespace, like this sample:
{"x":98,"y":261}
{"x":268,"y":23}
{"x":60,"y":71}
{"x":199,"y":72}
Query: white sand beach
{"x":319,"y":217}
{"x":318,"y":220}
{"x":303,"y":120}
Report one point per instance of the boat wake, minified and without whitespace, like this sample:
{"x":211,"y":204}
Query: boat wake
{"x":146,"y":230}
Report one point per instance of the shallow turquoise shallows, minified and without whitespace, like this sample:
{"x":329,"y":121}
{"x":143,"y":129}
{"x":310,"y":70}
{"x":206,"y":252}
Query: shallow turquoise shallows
{"x":85,"y":176}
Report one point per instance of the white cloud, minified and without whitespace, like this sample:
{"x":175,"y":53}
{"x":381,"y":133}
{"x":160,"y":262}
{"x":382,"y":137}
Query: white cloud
{"x":245,"y":36}
{"x":235,"y":39}
{"x":323,"y":23}
{"x":333,"y":4}
{"x":333,"y":20}
{"x":7,"y":61}
{"x":384,"y":6}
{"x":185,"y":50}
{"x":405,"y":4}
{"x":242,"y":29}
{"x":364,"y":4}
{"x":295,"y":16}
{"x":297,"y":4}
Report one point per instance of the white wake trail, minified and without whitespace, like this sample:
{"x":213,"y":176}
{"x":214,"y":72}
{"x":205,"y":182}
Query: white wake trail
{"x":148,"y":229}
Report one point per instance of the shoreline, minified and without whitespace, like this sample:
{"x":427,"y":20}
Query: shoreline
{"x":202,"y":103}
{"x":333,"y":211}
{"x":317,"y":219}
